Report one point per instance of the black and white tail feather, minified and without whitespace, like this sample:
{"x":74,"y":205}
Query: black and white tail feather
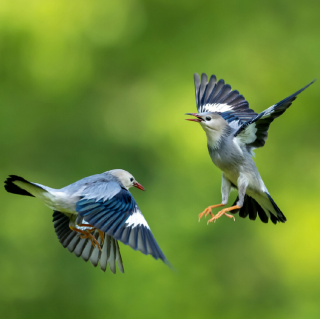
{"x":252,"y":208}
{"x":13,"y":188}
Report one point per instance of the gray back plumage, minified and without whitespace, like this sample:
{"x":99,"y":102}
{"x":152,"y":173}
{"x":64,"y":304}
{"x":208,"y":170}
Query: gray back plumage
{"x":99,"y":186}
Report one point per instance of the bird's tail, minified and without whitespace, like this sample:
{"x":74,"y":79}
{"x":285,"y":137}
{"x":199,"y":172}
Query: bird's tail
{"x":18,"y":185}
{"x":13,"y":188}
{"x":266,"y":208}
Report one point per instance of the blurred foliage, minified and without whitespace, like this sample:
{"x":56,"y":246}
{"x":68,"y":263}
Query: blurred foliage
{"x":88,"y":86}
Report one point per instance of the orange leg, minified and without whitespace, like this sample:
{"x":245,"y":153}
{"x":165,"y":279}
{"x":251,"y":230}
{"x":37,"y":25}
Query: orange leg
{"x":101,"y":233}
{"x":223,"y":212}
{"x":87,"y":234}
{"x":208,"y":210}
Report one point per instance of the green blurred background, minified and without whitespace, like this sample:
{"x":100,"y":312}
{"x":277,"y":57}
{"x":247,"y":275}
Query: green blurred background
{"x":89,"y":86}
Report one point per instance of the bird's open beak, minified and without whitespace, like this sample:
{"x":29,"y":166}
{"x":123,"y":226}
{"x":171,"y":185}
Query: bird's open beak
{"x":136,"y":184}
{"x":198,"y":117}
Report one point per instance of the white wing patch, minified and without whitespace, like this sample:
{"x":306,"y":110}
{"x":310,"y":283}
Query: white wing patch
{"x":268,"y":111}
{"x":216,"y":107}
{"x":136,"y":219}
{"x":248,"y":135}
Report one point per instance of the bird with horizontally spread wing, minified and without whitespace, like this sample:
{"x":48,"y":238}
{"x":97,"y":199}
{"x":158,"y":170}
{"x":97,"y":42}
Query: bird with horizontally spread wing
{"x":92,"y":214}
{"x":233,"y":132}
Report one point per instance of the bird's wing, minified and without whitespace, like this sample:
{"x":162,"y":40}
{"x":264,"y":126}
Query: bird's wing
{"x":82,"y":246}
{"x":218,"y":97}
{"x":254,"y":132}
{"x":120,"y":217}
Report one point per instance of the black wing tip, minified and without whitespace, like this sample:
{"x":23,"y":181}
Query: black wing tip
{"x":10,"y":187}
{"x":314,"y":80}
{"x":293,"y":96}
{"x":305,"y":86}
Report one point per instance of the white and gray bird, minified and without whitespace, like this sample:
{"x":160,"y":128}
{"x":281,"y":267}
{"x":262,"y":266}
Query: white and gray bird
{"x":92,"y":214}
{"x":233,"y":131}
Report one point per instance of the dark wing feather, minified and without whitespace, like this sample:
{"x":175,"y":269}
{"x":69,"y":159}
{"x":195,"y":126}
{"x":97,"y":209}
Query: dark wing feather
{"x":121,"y":218}
{"x":83,"y":248}
{"x":254,"y":132}
{"x":218,"y":97}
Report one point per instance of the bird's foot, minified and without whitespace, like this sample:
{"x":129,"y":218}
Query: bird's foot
{"x":101,"y":233}
{"x":87,"y":234}
{"x":93,"y":240}
{"x":208,"y":210}
{"x":224,"y":212}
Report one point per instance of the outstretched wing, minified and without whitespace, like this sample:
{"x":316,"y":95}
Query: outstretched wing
{"x":254,"y":132}
{"x":82,"y":247}
{"x":218,"y":97}
{"x":121,"y":218}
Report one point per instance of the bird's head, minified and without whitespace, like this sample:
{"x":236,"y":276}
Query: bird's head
{"x":210,"y":121}
{"x":126,"y":178}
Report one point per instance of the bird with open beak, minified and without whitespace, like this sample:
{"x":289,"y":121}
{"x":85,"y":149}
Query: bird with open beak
{"x":92,"y":214}
{"x":233,"y":131}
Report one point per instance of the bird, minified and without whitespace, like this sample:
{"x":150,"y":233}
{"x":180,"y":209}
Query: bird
{"x":233,"y":132}
{"x":91,"y":215}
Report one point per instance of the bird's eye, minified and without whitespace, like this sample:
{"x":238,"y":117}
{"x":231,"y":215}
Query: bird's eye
{"x":208,"y":118}
{"x":131,"y":179}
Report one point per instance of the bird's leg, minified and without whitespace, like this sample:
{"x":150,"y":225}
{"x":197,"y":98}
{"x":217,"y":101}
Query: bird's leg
{"x":225,"y":190}
{"x":101,"y":233}
{"x":224,"y":212}
{"x":242,"y":187}
{"x":87,"y":234}
{"x":208,"y":210}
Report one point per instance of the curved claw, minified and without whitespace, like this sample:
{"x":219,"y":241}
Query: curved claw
{"x":223,"y":212}
{"x":208,"y":211}
{"x":93,"y":240}
{"x":87,"y":234}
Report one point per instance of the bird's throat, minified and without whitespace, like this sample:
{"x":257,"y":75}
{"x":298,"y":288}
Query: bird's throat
{"x":213,"y":138}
